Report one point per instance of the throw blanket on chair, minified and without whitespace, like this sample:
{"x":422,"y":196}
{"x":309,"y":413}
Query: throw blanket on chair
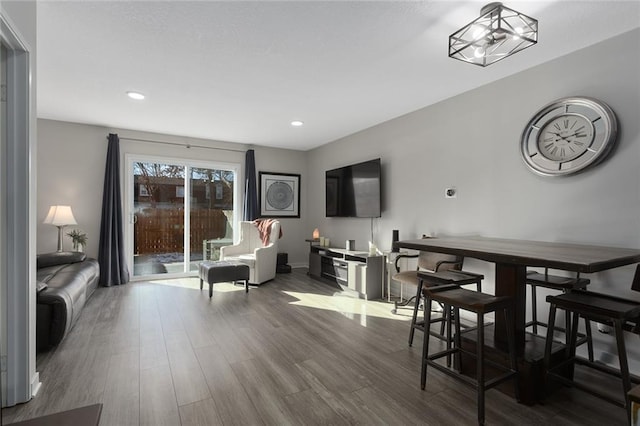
{"x":264,"y":228}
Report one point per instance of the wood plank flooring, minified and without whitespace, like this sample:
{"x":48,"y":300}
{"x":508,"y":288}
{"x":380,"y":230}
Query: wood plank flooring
{"x":290,"y":352}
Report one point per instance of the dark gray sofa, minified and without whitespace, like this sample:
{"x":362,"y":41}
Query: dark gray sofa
{"x":66,"y":280}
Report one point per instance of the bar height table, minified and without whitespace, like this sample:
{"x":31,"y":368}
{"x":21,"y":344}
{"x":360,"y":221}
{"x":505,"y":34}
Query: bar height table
{"x":511,"y":259}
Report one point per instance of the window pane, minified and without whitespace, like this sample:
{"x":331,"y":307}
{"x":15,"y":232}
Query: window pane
{"x":159,"y":212}
{"x":211,"y":213}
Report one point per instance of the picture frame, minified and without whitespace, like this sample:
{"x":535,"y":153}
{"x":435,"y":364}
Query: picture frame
{"x":279,"y":195}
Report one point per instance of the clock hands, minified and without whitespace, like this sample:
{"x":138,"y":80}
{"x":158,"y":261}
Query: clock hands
{"x":566,"y":138}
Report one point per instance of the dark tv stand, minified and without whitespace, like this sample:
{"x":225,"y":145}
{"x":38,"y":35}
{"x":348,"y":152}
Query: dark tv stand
{"x":355,"y":272}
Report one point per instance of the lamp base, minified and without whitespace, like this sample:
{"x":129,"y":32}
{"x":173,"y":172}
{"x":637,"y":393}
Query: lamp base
{"x":60,"y":236}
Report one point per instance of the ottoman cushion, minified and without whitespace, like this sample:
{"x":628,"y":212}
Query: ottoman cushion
{"x":223,"y":271}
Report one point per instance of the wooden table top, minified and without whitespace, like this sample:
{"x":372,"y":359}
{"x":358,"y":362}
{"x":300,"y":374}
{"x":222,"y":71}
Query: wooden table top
{"x":557,"y":255}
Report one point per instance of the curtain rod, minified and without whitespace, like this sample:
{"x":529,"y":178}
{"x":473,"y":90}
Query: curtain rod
{"x":186,"y":145}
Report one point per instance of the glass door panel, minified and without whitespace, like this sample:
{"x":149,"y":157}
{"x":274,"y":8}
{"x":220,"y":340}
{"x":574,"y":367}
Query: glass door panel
{"x":211,"y":213}
{"x":158,"y":206}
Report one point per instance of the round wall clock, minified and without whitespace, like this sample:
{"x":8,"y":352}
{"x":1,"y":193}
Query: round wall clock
{"x":568,"y":135}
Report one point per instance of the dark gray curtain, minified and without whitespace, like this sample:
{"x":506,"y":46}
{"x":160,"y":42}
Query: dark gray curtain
{"x":251,"y":209}
{"x":111,"y":256}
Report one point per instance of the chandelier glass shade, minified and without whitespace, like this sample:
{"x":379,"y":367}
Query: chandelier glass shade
{"x":498,"y":32}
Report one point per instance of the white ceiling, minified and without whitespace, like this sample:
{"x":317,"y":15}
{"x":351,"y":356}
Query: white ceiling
{"x":242,"y":71}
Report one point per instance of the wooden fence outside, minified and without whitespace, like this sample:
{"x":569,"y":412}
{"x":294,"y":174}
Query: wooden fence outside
{"x":162,"y":230}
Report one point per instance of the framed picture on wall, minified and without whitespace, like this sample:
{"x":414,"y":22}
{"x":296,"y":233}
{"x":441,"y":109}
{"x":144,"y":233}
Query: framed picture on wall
{"x":279,"y":195}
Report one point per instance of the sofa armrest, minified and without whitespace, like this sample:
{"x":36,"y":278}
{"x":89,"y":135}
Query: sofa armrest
{"x":59,"y":258}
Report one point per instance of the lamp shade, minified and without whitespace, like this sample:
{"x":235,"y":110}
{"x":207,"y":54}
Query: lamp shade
{"x":60,"y":216}
{"x":498,"y":33}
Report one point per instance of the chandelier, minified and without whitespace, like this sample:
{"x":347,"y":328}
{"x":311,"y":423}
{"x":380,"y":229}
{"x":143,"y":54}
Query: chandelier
{"x":498,"y":32}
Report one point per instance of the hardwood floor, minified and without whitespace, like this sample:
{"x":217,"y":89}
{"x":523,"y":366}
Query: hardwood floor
{"x":290,"y":352}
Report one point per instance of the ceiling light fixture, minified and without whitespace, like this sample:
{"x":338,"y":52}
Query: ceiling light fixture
{"x":498,"y":32}
{"x":135,"y":95}
{"x":297,"y":123}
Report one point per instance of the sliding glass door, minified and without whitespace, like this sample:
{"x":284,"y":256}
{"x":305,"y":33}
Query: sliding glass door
{"x":181,"y":213}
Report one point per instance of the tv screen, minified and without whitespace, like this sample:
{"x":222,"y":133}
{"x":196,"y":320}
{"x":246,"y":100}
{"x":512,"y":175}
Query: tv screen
{"x":354,"y":191}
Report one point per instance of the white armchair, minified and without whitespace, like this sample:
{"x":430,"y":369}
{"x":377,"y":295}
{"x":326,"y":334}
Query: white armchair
{"x":251,"y":251}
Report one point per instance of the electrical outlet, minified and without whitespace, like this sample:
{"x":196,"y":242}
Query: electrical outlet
{"x":451,"y":192}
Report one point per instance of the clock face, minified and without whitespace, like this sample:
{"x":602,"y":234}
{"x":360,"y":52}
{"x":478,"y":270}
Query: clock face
{"x":565,"y":138}
{"x":568,"y":136}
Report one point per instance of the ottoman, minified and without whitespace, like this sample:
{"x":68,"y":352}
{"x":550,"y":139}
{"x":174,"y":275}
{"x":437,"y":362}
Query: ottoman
{"x":223,"y":271}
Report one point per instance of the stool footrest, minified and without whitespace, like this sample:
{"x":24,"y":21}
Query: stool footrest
{"x":450,"y":371}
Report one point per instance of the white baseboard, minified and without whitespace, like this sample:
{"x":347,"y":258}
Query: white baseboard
{"x":35,"y":384}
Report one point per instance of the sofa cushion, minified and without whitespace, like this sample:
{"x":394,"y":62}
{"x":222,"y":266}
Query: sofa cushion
{"x":59,"y":258}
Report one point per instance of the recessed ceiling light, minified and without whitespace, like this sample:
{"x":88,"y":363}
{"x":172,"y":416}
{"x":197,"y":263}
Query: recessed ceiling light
{"x":297,"y":123}
{"x":135,"y":95}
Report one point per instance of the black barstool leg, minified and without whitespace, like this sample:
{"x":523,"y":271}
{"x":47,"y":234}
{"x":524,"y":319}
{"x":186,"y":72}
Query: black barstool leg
{"x":587,"y":326}
{"x":456,"y":314}
{"x":200,"y":283}
{"x":425,"y":344}
{"x":534,"y":309}
{"x":444,"y":318}
{"x":568,"y":327}
{"x":480,"y":368}
{"x":511,"y":341}
{"x":624,"y":365}
{"x":414,"y":318}
{"x":547,"y":347}
{"x":457,"y":341}
{"x":246,"y":286}
{"x":573,"y":341}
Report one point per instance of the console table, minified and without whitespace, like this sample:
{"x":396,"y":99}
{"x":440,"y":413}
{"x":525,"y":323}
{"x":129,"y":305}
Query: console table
{"x":355,"y":272}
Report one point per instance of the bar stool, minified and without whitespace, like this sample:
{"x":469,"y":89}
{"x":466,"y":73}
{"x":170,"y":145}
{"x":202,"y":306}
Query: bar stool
{"x":428,"y":262}
{"x":456,"y":298}
{"x":437,"y":279}
{"x":563,"y":284}
{"x":621,"y":314}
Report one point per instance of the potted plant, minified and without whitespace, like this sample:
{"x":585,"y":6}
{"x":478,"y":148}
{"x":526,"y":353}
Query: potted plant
{"x":79,"y":239}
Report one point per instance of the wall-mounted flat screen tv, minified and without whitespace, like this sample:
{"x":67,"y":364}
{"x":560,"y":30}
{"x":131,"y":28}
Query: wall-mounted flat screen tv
{"x":354,"y":191}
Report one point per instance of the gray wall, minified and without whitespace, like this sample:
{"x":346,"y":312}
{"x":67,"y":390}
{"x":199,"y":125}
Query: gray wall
{"x":471,"y":142}
{"x":71,"y":171}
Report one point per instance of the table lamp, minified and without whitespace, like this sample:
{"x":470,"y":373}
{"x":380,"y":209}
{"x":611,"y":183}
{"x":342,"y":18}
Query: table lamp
{"x":60,"y":216}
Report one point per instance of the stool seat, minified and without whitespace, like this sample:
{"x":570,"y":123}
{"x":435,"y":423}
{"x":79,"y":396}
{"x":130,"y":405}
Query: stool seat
{"x":470,"y":300}
{"x":450,"y":277}
{"x":223,"y":271}
{"x":556,"y":282}
{"x":597,"y":306}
